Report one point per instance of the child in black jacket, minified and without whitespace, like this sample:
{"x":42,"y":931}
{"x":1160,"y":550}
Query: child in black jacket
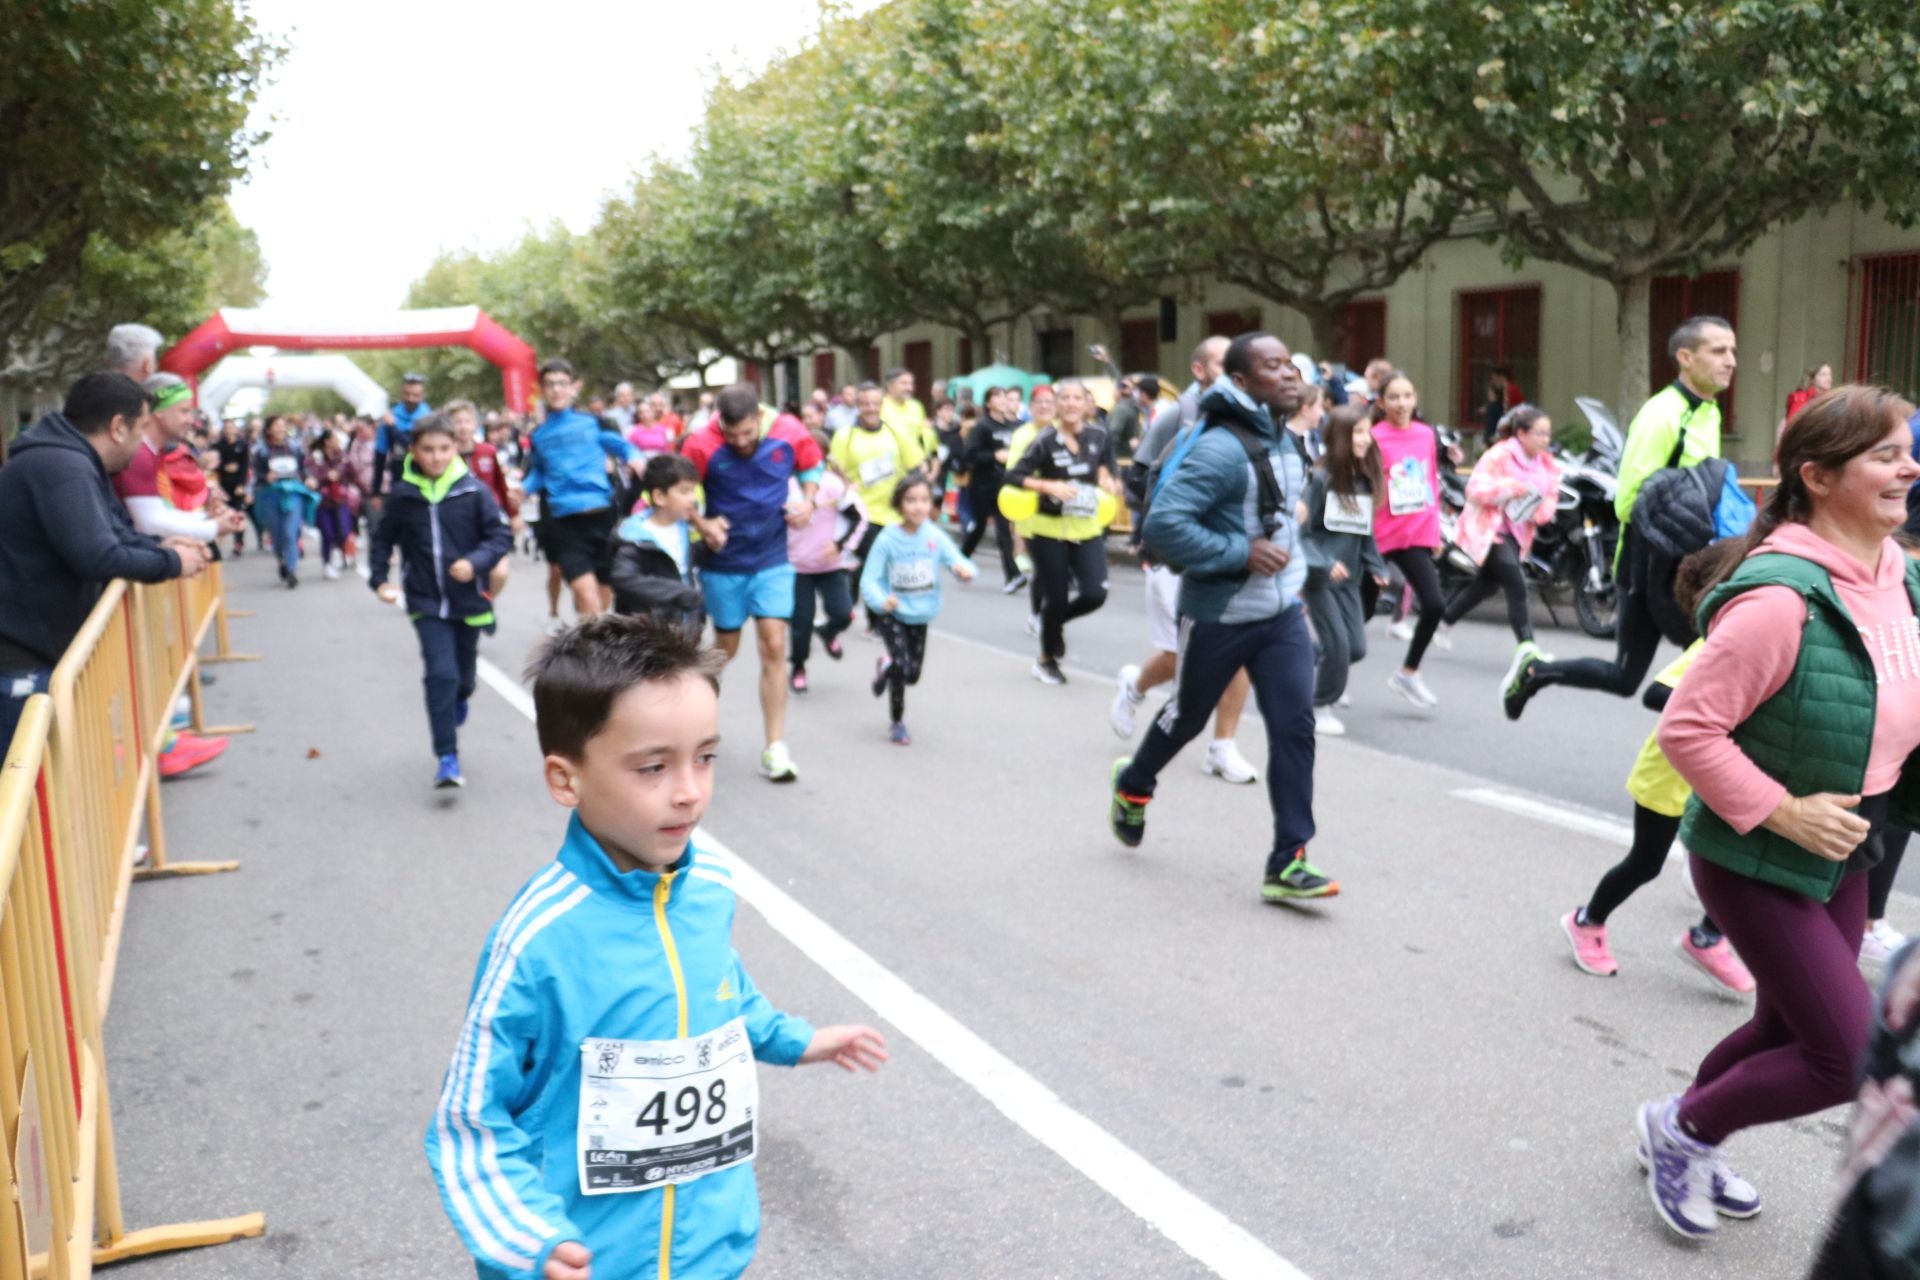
{"x":450,"y":533}
{"x":653,"y":561}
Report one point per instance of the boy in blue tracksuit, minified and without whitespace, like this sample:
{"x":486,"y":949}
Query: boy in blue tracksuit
{"x":601,"y":1107}
{"x":900,"y":583}
{"x":450,"y":533}
{"x":567,"y":458}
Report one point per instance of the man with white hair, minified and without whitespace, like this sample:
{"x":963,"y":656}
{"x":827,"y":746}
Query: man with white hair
{"x":133,"y":349}
{"x":623,"y":410}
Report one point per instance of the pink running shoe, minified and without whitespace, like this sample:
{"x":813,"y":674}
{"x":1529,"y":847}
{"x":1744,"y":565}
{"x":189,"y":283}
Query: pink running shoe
{"x":1589,"y":945}
{"x":1719,"y":962}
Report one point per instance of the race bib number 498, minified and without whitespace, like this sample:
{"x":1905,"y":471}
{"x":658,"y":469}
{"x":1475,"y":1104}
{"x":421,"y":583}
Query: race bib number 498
{"x":665,"y":1111}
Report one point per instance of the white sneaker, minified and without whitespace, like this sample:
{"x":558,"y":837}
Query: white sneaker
{"x":1033,"y":624}
{"x":1126,"y":702}
{"x":1224,"y":761}
{"x":331,"y":572}
{"x":1401,"y":630}
{"x":1443,"y":638}
{"x":1880,"y":942}
{"x":1328,"y":724}
{"x":1413,"y":689}
{"x":1344,"y":701}
{"x":776,"y":764}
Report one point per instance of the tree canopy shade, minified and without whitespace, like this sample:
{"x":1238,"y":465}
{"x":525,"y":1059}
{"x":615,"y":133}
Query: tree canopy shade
{"x":1197,"y":137}
{"x":120,"y":121}
{"x":1635,"y":138}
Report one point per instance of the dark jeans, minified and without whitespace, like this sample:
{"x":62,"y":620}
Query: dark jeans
{"x":1278,"y":655}
{"x":986,"y":509}
{"x":861,"y":551}
{"x":15,"y":688}
{"x":906,"y":652}
{"x":1340,"y":622}
{"x":1653,"y":836}
{"x":1416,"y":565}
{"x":1499,"y":572}
{"x":1056,"y":564}
{"x":1812,"y":1011}
{"x":286,"y":534}
{"x":449,"y":649}
{"x":831,"y":590}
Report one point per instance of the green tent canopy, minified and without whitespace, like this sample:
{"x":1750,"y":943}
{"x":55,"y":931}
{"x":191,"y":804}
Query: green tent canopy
{"x":995,"y":375}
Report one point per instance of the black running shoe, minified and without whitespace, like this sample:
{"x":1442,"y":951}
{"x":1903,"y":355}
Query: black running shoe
{"x":1127,"y":815}
{"x":1520,"y":688}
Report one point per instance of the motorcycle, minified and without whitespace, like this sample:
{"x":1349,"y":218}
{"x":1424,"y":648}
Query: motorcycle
{"x":1574,"y":554}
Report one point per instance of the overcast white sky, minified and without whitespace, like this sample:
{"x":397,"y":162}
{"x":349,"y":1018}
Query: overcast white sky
{"x":404,"y":126}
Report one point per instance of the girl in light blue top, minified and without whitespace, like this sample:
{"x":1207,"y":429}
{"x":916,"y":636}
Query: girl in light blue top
{"x":901,"y":587}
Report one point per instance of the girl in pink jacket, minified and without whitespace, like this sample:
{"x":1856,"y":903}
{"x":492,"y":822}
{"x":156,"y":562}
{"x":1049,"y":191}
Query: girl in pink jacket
{"x":1406,"y":522}
{"x":1514,"y":489}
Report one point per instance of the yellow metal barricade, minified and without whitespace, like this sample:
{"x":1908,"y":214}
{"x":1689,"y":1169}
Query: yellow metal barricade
{"x":222,"y":643}
{"x":202,"y":608}
{"x":57,"y":1154}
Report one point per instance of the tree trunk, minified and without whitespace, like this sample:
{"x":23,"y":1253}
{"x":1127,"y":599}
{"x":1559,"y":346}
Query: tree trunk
{"x":1634,"y":295}
{"x":1329,"y":331}
{"x":982,"y":340}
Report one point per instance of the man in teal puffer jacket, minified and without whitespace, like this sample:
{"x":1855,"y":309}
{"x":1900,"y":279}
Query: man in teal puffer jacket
{"x":1239,"y":601}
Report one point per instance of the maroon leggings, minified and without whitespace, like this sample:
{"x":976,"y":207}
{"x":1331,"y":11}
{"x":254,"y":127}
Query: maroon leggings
{"x":1812,"y":1010}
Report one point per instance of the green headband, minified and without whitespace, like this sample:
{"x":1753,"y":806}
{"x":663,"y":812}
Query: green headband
{"x":167,"y":397}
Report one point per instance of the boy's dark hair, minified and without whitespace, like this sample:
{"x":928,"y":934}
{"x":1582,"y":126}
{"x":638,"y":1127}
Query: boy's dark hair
{"x":907,"y":483}
{"x":665,"y":470}
{"x":1701,"y":571}
{"x":435,"y":423}
{"x":97,"y":399}
{"x":577,"y":674}
{"x":968,"y":411}
{"x":556,"y":364}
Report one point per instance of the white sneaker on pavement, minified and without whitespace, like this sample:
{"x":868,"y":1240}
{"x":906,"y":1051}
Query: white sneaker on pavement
{"x":1443,"y":638}
{"x":1880,"y":942}
{"x":1328,"y":724}
{"x":1344,"y":701}
{"x":1401,"y":630}
{"x":1413,"y":689}
{"x":777,"y":764}
{"x":1224,"y":761}
{"x":1126,"y":702}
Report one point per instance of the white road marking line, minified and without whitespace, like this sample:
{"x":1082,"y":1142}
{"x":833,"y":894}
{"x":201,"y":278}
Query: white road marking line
{"x":1203,"y":1232}
{"x":1079,"y":672}
{"x":1587,"y":824}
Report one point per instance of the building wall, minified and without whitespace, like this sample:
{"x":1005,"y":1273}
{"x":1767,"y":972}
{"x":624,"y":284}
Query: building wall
{"x":1794,"y":311}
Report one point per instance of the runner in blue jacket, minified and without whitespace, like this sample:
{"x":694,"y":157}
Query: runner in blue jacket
{"x":601,"y":1105}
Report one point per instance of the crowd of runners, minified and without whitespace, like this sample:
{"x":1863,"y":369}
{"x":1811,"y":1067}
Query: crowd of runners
{"x":1273,"y":508}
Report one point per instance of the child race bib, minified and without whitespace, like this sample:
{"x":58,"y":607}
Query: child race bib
{"x":280,"y":468}
{"x":911,"y":575}
{"x":1085,"y":502}
{"x":1349,"y":515}
{"x":875,"y":470}
{"x":654,"y":1112}
{"x":1407,"y":488}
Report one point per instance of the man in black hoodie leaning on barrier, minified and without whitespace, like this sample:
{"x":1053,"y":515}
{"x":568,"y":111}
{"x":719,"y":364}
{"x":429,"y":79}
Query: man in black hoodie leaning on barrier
{"x":64,"y":536}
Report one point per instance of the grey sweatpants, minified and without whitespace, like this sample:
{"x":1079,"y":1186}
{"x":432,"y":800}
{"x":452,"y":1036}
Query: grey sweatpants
{"x":1341,"y":628}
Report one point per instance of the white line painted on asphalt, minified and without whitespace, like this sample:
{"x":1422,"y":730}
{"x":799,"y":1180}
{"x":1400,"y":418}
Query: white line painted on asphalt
{"x":990,"y":647}
{"x":1559,"y":815}
{"x":1202,"y":1231}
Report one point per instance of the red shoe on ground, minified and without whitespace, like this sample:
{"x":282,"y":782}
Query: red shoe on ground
{"x":189,"y":752}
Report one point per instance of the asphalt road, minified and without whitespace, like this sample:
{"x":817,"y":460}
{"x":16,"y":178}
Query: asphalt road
{"x":1411,"y":1080}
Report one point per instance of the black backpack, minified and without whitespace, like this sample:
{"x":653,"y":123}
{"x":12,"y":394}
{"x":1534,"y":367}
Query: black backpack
{"x":1272,"y":501}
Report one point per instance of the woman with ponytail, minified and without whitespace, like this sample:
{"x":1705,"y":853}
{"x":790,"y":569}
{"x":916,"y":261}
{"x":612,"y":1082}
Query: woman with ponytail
{"x":1796,"y":727}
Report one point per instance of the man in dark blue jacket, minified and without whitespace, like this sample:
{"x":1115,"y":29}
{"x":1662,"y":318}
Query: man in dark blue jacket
{"x":64,"y":536}
{"x":1239,"y":600}
{"x":450,"y":533}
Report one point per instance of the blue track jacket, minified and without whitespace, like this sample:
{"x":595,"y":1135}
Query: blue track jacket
{"x":390,"y":443}
{"x":567,"y":463}
{"x":588,"y":952}
{"x":907,"y":567}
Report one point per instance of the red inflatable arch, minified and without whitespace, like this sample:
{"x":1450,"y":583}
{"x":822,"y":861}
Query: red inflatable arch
{"x":232,"y":328}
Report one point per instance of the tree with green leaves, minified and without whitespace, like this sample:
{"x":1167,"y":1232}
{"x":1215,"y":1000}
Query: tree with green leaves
{"x":1631,"y":139}
{"x":120,"y":121}
{"x":1194,"y":138}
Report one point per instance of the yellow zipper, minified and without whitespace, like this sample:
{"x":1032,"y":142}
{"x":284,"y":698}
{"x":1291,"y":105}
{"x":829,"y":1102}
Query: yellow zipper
{"x":661,"y":892}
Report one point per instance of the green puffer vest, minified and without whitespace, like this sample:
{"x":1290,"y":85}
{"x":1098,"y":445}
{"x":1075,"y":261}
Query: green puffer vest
{"x":1813,"y":736}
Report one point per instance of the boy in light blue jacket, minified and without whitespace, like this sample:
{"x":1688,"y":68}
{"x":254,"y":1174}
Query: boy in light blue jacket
{"x":599,"y":1117}
{"x":900,"y":584}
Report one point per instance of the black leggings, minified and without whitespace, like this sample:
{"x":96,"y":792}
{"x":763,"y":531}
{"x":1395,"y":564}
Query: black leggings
{"x":985,"y":501}
{"x":1417,"y":567}
{"x":1893,"y":847}
{"x":1057,"y":563}
{"x":1637,"y":639}
{"x":1653,"y":835}
{"x":1499,"y":571}
{"x":906,"y":652}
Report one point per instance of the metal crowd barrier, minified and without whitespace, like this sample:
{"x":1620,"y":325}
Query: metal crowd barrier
{"x":64,"y":1214}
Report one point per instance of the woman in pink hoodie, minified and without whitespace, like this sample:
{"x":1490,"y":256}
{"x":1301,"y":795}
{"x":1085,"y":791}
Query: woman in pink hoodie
{"x":1795,"y":726}
{"x":1406,"y":522}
